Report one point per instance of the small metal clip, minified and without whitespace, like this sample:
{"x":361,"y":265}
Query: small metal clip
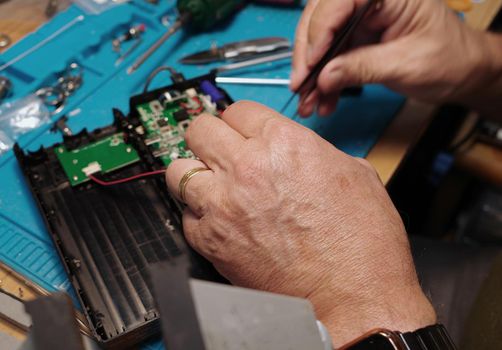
{"x":5,"y":40}
{"x":61,"y":125}
{"x":56,"y":96}
{"x":5,"y":87}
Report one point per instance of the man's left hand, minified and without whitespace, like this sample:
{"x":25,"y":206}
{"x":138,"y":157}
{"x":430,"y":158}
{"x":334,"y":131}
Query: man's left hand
{"x":282,"y":210}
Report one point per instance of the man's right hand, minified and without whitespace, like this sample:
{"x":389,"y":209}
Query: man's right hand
{"x":417,"y":47}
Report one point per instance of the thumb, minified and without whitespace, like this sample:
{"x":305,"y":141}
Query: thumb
{"x":378,"y":63}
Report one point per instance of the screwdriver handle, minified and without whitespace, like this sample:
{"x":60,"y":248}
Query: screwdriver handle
{"x":206,"y":13}
{"x":195,"y":14}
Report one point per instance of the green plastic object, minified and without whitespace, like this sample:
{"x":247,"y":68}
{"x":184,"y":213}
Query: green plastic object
{"x":103,"y":156}
{"x":203,"y":14}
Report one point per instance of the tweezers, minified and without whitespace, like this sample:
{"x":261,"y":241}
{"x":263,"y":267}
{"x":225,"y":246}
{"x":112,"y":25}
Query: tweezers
{"x":309,"y":83}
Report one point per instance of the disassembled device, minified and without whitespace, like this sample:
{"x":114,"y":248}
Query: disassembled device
{"x":108,"y":236}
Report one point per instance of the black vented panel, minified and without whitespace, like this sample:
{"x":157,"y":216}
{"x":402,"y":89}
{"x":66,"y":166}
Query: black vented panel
{"x":107,"y":236}
{"x":115,"y":232}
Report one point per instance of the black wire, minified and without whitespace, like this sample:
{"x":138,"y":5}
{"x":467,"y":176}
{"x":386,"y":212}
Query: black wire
{"x":154,"y":73}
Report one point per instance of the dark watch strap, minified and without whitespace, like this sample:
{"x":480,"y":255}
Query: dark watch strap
{"x":429,"y":338}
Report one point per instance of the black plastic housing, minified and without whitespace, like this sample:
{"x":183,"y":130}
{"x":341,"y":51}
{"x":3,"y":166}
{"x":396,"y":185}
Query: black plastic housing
{"x":107,"y":237}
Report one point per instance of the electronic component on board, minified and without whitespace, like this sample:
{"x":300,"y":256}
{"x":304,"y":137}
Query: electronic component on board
{"x":166,"y":118}
{"x":106,"y":155}
{"x":181,"y":115}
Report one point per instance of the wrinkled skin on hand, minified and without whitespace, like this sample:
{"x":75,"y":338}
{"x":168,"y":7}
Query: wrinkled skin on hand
{"x":417,"y":47}
{"x":283,"y":210}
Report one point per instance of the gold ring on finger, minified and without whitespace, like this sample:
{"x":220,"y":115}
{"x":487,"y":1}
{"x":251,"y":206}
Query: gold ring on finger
{"x":184,"y":181}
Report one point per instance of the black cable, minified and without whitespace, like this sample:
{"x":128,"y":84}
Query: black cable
{"x":176,"y":77}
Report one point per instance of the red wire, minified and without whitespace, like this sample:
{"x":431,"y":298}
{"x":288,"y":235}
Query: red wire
{"x":127,"y":179}
{"x":194,"y":111}
{"x":201,"y":107}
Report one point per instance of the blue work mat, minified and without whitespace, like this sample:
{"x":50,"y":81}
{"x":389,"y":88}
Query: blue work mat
{"x":24,"y":242}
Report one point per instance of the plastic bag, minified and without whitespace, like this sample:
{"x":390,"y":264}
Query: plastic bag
{"x":19,"y":117}
{"x":95,"y":7}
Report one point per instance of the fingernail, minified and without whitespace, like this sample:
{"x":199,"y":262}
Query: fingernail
{"x":310,"y":98}
{"x":304,"y":111}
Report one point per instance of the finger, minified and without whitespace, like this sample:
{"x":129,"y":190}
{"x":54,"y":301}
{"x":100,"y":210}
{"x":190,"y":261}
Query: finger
{"x":306,"y":105}
{"x":327,"y":18}
{"x":191,"y":229}
{"x":327,"y":104}
{"x":363,"y":65}
{"x":299,"y":62}
{"x":198,"y":189}
{"x":213,"y":140}
{"x":248,"y":118}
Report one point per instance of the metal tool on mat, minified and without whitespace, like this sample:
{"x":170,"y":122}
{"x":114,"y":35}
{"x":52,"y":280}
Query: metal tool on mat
{"x":133,"y":33}
{"x":238,"y":51}
{"x":350,"y":91}
{"x":5,"y":40}
{"x":337,"y":46}
{"x":55,"y":96}
{"x":254,"y":62}
{"x":43,"y":42}
{"x":347,"y":92}
{"x":133,"y":47}
{"x":5,"y":87}
{"x":40,"y":291}
{"x":198,"y":15}
{"x":12,"y":311}
{"x":52,"y":8}
{"x":252,"y":81}
{"x":61,"y":126}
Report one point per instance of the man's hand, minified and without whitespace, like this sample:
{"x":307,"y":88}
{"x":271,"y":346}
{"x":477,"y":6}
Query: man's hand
{"x":282,"y":210}
{"x":417,"y":47}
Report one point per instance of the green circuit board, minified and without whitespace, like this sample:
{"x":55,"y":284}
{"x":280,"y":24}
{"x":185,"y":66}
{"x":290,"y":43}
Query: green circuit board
{"x":104,"y":156}
{"x":165,"y":126}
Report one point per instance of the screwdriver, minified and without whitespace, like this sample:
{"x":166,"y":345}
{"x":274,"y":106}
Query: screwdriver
{"x":198,"y":15}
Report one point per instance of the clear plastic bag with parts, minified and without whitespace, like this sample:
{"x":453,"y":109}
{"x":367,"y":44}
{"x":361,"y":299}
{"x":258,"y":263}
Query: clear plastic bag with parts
{"x":19,"y":117}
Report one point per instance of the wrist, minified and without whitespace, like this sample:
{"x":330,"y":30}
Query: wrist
{"x":405,"y":310}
